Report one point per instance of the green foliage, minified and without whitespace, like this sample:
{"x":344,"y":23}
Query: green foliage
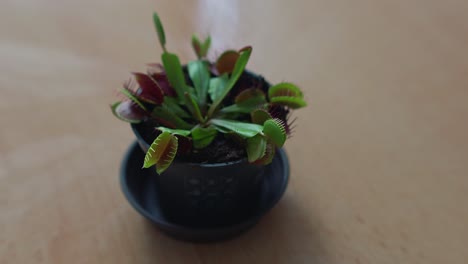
{"x":193,"y":107}
{"x":159,"y":30}
{"x":285,"y":89}
{"x":174,"y":73}
{"x":201,"y":48}
{"x":167,"y":117}
{"x":180,"y":132}
{"x":198,"y":72}
{"x":259,"y":116}
{"x":236,"y":73}
{"x":267,"y":158}
{"x":286,"y":94}
{"x":289,"y":101}
{"x":161,"y":152}
{"x":217,"y":105}
{"x":247,"y":101}
{"x":217,"y":86}
{"x":202,"y":137}
{"x":241,"y":128}
{"x":256,"y":147}
{"x":274,"y":129}
{"x":173,"y":106}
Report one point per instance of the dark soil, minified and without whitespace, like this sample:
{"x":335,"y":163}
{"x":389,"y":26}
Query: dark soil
{"x":222,"y":149}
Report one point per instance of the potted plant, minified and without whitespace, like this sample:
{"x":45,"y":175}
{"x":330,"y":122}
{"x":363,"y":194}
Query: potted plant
{"x":210,"y":129}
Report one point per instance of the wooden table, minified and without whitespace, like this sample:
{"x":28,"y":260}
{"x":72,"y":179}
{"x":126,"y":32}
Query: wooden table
{"x":379,"y":160}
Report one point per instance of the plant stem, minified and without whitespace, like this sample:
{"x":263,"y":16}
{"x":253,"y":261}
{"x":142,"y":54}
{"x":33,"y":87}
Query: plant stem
{"x":194,"y":108}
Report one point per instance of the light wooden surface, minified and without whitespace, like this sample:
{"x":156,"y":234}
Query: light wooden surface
{"x":379,"y":160}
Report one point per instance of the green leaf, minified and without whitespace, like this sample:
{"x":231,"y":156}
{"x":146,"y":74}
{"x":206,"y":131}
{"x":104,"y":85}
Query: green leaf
{"x":247,"y":101}
{"x":174,"y":73}
{"x":192,"y":92}
{"x":201,"y":49}
{"x":161,"y":152}
{"x":237,"y":109}
{"x":203,"y":137}
{"x":285,"y":89}
{"x":157,"y":149}
{"x":122,"y":111}
{"x":134,"y":99}
{"x":259,"y":116}
{"x":217,"y":86}
{"x":193,"y":107}
{"x":173,"y":105}
{"x":245,"y":48}
{"x":206,"y":46}
{"x":227,"y":61}
{"x":245,"y":108}
{"x":181,"y":132}
{"x":160,"y":30}
{"x":249,"y":94}
{"x":286,"y":94}
{"x":241,"y":128}
{"x":274,"y":129}
{"x":197,"y":46}
{"x":167,"y":118}
{"x":270,"y":151}
{"x":200,"y":76}
{"x":236,"y":73}
{"x":292,"y":102}
{"x":231,"y":116}
{"x":223,"y":130}
{"x":256,"y":147}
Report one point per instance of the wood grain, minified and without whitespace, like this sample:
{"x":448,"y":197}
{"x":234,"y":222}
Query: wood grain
{"x":379,"y":160}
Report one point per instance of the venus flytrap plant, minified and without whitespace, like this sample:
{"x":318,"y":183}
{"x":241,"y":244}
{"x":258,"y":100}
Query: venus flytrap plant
{"x":190,"y":105}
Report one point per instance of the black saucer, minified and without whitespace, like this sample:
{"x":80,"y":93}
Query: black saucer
{"x":140,"y":190}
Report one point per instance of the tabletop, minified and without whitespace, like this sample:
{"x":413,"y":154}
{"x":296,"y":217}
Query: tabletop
{"x":379,"y":158}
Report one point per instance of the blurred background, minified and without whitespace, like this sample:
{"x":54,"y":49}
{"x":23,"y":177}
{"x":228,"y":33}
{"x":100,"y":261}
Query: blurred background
{"x":379,"y":159}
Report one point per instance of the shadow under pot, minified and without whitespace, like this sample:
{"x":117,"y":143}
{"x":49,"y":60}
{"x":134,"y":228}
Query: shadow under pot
{"x":203,"y":194}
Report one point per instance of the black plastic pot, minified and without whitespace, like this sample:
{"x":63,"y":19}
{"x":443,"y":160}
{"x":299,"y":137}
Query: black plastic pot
{"x":141,"y":189}
{"x":206,"y":195}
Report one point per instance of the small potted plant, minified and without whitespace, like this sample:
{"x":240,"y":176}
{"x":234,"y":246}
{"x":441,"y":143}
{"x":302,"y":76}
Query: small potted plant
{"x":209,"y":129}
